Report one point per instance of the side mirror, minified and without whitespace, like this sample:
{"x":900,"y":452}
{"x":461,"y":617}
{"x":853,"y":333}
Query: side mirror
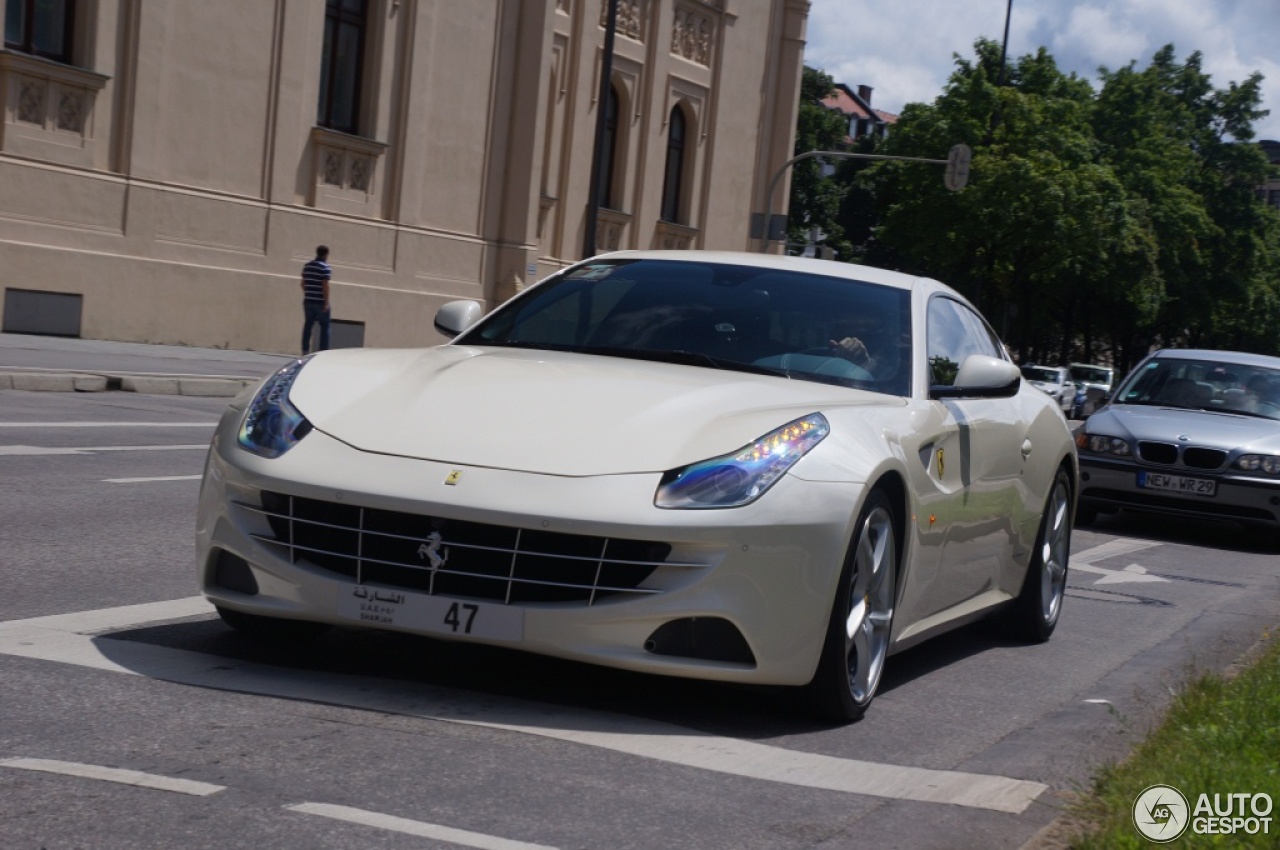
{"x":981,"y":376}
{"x":456,"y":316}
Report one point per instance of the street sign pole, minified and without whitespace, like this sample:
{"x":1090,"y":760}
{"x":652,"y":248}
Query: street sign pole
{"x":957,"y":176}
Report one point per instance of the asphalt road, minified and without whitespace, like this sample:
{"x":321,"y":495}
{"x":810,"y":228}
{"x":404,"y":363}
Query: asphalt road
{"x":133,"y":718}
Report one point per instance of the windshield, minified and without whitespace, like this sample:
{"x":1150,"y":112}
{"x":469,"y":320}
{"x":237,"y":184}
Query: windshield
{"x":1039,"y":373}
{"x":1205,"y":385}
{"x":791,"y":324}
{"x":1091,"y":374}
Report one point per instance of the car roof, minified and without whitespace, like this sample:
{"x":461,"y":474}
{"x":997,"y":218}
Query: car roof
{"x":1242,"y":357}
{"x":829,"y":268}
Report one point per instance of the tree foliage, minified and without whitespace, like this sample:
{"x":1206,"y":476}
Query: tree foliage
{"x":816,"y":196}
{"x":1096,"y":223}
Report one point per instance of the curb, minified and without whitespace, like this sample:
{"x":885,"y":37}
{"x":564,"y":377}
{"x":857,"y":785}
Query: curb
{"x":81,"y":382}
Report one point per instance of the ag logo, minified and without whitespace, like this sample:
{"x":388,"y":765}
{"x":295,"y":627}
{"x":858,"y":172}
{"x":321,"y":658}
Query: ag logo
{"x":1161,"y":813}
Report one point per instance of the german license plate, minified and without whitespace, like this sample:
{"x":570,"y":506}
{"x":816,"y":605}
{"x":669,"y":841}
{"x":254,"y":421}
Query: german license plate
{"x":1177,"y":484}
{"x":383,"y":607}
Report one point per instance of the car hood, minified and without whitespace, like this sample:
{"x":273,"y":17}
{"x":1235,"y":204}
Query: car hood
{"x":549,"y":411}
{"x":1047,"y":386}
{"x":1209,"y":428}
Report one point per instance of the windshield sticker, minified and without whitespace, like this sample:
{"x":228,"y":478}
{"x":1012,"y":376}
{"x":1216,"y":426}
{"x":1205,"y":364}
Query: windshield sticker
{"x":592,"y":273}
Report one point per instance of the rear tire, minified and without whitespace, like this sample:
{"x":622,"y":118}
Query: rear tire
{"x":271,"y":628}
{"x":858,"y":629}
{"x":1034,"y":614}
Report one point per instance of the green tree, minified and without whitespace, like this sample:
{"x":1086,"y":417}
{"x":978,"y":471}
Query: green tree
{"x":816,"y":196}
{"x":1095,"y":224}
{"x":1041,"y":219}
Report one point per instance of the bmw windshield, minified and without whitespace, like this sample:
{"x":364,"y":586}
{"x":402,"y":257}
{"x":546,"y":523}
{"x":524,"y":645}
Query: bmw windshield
{"x":1199,"y":384}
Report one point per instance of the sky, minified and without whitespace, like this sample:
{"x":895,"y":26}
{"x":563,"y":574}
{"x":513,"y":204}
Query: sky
{"x":904,"y":49}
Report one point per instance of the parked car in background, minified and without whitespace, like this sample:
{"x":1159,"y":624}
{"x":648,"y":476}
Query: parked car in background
{"x":671,"y":462}
{"x":1188,"y":433}
{"x":1054,"y":380}
{"x":1097,"y":382}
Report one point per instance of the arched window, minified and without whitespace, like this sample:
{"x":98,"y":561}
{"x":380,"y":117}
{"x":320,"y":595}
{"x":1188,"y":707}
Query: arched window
{"x":609,"y":151}
{"x":673,"y":180}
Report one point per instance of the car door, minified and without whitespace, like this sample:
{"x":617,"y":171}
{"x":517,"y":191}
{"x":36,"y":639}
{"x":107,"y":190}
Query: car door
{"x":971,"y":499}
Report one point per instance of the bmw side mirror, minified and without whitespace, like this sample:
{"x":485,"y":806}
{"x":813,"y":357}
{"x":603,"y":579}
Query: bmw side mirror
{"x":456,"y":316}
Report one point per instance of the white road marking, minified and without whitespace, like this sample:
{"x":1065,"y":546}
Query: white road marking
{"x":80,"y":450}
{"x":148,"y":480}
{"x":116,"y":774}
{"x":67,"y":638}
{"x":1083,"y":561}
{"x":414,"y":827}
{"x":210,"y":424}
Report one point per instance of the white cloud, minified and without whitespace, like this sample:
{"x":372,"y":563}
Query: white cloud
{"x":904,"y":50}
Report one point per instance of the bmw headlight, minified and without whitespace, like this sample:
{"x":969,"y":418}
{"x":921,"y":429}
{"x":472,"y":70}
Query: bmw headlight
{"x":271,"y":425}
{"x":1103,"y":445}
{"x":741,"y":477}
{"x":1269,"y":464}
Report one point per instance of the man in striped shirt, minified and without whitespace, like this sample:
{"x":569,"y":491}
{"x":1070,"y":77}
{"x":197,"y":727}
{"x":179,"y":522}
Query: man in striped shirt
{"x":315,"y":299}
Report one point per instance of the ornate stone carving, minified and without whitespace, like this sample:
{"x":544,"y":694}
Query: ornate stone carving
{"x":670,"y":236}
{"x":630,"y":18}
{"x":31,"y":101}
{"x":691,"y":36}
{"x":331,"y":168}
{"x":361,"y":170}
{"x":71,"y":111}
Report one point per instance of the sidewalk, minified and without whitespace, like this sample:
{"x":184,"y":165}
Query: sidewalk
{"x":59,"y":364}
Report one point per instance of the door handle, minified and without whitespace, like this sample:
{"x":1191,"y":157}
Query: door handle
{"x":1026,"y":449}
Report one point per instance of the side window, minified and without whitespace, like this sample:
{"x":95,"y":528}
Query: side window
{"x":40,"y":27}
{"x":345,"y":22}
{"x":955,"y":332}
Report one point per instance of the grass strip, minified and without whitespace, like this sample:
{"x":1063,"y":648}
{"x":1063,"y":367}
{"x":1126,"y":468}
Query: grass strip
{"x":1220,"y":736}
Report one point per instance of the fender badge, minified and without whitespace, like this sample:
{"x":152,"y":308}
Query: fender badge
{"x":942,"y":463}
{"x":453,"y":477}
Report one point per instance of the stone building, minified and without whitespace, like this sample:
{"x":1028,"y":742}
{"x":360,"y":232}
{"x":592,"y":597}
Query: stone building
{"x":167,"y":167}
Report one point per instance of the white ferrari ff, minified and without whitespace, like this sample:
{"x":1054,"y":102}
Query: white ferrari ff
{"x":725,"y":466}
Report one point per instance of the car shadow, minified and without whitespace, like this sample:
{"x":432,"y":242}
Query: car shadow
{"x":1224,"y":535}
{"x":401,"y":673}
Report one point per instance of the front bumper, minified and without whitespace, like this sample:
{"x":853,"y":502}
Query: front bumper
{"x":767,"y":571}
{"x":1110,"y":484}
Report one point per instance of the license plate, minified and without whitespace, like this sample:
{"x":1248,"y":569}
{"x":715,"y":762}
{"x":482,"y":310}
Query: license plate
{"x":1177,"y":484}
{"x":383,"y":607}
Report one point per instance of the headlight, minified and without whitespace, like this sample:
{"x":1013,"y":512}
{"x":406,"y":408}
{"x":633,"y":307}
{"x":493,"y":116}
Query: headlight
{"x":1103,"y":445}
{"x":739,"y":478}
{"x":1269,"y":464}
{"x":271,"y":425}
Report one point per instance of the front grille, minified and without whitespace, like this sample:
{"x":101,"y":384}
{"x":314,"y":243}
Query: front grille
{"x":1193,"y":457}
{"x":1197,"y":458}
{"x":449,"y":557}
{"x":1165,"y":453}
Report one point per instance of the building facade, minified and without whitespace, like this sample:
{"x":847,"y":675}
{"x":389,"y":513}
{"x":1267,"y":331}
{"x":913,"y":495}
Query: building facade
{"x":167,"y":167}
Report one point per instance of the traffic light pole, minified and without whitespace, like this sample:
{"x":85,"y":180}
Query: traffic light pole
{"x":957,"y":163}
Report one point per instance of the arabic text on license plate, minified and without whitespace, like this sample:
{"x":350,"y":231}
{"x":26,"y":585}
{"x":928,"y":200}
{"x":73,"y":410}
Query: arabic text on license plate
{"x":1177,"y":484}
{"x":435,"y":614}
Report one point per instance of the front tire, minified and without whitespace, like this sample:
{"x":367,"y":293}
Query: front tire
{"x":1035,"y":612}
{"x":857,"y":640}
